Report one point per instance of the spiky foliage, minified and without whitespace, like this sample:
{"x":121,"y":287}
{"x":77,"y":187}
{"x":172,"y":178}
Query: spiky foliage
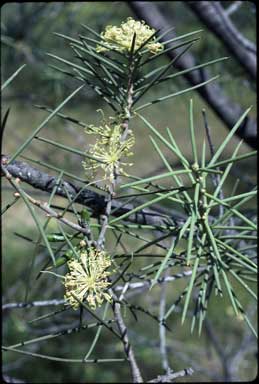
{"x":211,"y":250}
{"x":109,"y":72}
{"x":115,"y":64}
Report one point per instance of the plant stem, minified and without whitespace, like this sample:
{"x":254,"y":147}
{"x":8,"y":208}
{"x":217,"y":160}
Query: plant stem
{"x":136,"y":375}
{"x":135,"y":372}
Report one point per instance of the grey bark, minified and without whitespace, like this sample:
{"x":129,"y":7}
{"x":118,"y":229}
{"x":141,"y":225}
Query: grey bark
{"x":96,"y":202}
{"x":172,"y":376}
{"x":212,"y":14}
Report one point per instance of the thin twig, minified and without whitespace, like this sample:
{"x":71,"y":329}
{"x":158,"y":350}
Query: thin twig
{"x":136,"y":375}
{"x":162,"y":329}
{"x":135,"y":372}
{"x":44,"y":206}
{"x":172,"y":376}
{"x":130,"y":287}
{"x":233,"y":7}
{"x":32,"y":304}
{"x":9,"y":379}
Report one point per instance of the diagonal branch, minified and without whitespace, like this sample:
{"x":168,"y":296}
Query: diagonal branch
{"x":233,"y":7}
{"x":171,"y":376}
{"x":136,"y":375}
{"x":212,"y":14}
{"x":45,"y":182}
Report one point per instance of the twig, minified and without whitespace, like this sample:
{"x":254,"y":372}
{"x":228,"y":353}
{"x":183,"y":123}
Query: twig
{"x":233,"y":7}
{"x":135,"y":372}
{"x":213,"y":15}
{"x":9,"y":379}
{"x":172,"y":376}
{"x":44,"y":206}
{"x":136,"y":375}
{"x":40,"y":303}
{"x":162,"y":330}
{"x":130,"y":286}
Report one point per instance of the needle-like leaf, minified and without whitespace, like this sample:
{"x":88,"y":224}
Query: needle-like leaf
{"x":43,"y":124}
{"x":10,"y":79}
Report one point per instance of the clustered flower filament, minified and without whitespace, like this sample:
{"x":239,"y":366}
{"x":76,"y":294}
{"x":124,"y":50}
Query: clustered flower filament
{"x":88,"y":278}
{"x":120,"y":38}
{"x":108,"y":150}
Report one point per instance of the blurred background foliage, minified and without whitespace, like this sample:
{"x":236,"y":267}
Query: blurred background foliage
{"x":26,"y":35}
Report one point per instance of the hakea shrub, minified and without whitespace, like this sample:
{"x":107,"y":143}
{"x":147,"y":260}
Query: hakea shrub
{"x":216,"y":237}
{"x":116,"y":64}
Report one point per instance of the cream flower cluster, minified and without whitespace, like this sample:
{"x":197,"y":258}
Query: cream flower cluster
{"x":120,"y":38}
{"x":108,"y":150}
{"x":87,"y":278}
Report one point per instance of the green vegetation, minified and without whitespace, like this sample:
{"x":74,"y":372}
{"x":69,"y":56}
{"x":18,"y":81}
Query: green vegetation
{"x":24,"y":259}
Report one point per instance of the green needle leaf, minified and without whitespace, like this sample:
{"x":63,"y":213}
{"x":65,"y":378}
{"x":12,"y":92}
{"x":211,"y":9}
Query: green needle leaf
{"x":164,"y":262}
{"x":67,"y":38}
{"x":67,"y":148}
{"x":176,"y":94}
{"x":37,"y":222}
{"x":194,"y":150}
{"x":233,"y":160}
{"x":42,"y":125}
{"x":157,"y":177}
{"x":192,"y":280}
{"x":70,"y":64}
{"x":229,"y":290}
{"x":190,"y":238}
{"x":229,"y":136}
{"x":10,"y":79}
{"x":145,"y":205}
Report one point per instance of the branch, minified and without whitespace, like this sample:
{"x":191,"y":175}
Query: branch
{"x":212,"y":93}
{"x":135,"y":371}
{"x":172,"y":376}
{"x":43,"y":205}
{"x":233,"y":7}
{"x":162,"y":329}
{"x":136,"y":375}
{"x":40,"y":303}
{"x":8,"y":379}
{"x":45,"y":182}
{"x":212,"y":14}
{"x":131,"y":286}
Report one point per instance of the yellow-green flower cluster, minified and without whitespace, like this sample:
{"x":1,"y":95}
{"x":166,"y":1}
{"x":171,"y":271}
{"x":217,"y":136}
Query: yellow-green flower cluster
{"x":120,"y":38}
{"x":108,"y":150}
{"x":87,"y":278}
